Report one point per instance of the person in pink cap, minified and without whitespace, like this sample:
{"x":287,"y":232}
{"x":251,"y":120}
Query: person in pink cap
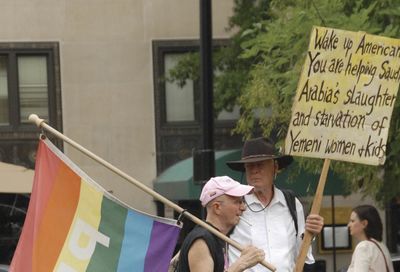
{"x":202,"y":251}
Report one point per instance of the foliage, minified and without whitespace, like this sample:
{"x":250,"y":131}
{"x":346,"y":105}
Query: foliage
{"x":261,"y":68}
{"x":281,"y":43}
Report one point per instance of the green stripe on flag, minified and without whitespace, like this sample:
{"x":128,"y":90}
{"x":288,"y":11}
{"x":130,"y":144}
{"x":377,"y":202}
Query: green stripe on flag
{"x":112,"y":224}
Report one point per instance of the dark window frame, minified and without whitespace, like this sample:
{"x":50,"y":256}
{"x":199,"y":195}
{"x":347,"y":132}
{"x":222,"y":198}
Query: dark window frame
{"x":175,"y":141}
{"x":12,"y":50}
{"x":160,"y":49}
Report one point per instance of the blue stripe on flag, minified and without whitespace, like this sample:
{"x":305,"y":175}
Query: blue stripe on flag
{"x":136,"y":241}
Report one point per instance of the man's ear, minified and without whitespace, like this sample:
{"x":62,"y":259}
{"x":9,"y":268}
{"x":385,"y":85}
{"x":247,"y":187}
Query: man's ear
{"x":276,"y":165}
{"x":216,"y":206}
{"x":276,"y":168}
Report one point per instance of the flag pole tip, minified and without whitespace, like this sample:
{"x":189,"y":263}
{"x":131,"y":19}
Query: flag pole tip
{"x":35,"y":119}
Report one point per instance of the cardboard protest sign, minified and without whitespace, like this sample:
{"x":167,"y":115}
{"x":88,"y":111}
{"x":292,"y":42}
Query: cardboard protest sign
{"x":345,"y":97}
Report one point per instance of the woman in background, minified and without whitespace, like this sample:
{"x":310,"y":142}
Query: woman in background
{"x":370,"y":253}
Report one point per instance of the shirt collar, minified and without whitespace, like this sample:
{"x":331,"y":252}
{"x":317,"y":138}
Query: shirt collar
{"x":277,"y":198}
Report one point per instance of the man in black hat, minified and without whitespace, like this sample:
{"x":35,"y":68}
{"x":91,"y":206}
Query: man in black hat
{"x":267,"y":222}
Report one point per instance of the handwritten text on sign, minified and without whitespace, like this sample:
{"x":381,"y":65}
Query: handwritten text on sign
{"x":345,"y":97}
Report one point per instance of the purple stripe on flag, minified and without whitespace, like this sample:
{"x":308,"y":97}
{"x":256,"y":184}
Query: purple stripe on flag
{"x":161,"y":247}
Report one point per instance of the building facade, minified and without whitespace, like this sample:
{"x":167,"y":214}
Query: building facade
{"x":95,"y":70}
{"x":87,"y":68}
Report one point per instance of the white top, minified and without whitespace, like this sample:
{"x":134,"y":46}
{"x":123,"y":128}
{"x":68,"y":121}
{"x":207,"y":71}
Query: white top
{"x":273,"y":231}
{"x":368,"y":258}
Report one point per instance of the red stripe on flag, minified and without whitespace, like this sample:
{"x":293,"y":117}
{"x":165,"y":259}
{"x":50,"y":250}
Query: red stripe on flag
{"x":22,"y":260}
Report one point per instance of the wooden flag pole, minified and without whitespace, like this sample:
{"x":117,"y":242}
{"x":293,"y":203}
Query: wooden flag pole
{"x":42,"y":124}
{"x":316,"y":206}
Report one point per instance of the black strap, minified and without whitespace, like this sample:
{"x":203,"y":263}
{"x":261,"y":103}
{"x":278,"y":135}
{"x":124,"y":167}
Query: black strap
{"x":291,"y":202}
{"x":387,"y":267}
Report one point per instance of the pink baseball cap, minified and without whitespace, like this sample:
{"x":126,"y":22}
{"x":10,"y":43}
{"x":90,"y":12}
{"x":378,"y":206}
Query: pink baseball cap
{"x":218,"y":186}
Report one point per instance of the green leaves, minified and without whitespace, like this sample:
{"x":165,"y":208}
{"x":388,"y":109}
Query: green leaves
{"x":187,"y":68}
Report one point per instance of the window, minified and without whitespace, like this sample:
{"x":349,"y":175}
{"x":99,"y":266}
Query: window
{"x":179,"y":105}
{"x":179,"y":101}
{"x":3,"y":91}
{"x":342,"y":237}
{"x":29,"y":83}
{"x":182,"y":102}
{"x":32,"y":86}
{"x":177,"y":109}
{"x":13,"y":208}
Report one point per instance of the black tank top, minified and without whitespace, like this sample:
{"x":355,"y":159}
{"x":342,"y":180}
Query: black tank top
{"x":215,"y":245}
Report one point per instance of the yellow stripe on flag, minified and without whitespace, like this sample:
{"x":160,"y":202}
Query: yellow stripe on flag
{"x":83,"y":234}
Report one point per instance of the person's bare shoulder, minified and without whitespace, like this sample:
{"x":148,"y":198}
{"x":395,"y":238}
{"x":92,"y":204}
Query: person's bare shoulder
{"x":199,"y":257}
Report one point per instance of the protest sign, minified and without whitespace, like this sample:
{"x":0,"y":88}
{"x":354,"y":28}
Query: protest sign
{"x":343,"y":103}
{"x":345,"y":97}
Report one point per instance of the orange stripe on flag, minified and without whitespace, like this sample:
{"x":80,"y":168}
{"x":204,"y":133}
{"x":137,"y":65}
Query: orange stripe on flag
{"x":57,"y":218}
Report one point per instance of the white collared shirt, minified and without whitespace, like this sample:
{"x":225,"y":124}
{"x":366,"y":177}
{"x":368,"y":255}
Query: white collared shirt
{"x":272,"y":230}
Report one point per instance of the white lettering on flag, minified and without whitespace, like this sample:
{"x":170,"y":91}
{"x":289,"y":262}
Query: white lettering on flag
{"x":82,"y":228}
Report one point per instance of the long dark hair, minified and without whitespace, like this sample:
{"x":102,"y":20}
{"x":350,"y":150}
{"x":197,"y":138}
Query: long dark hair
{"x":374,"y":226}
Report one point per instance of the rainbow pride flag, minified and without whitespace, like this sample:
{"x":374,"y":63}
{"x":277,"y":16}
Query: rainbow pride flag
{"x":73,"y":224}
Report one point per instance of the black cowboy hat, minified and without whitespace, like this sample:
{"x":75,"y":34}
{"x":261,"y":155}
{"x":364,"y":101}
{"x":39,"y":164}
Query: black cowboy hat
{"x":259,"y":149}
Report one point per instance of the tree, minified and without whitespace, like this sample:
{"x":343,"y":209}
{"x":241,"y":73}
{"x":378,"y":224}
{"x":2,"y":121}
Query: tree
{"x":262,"y":65}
